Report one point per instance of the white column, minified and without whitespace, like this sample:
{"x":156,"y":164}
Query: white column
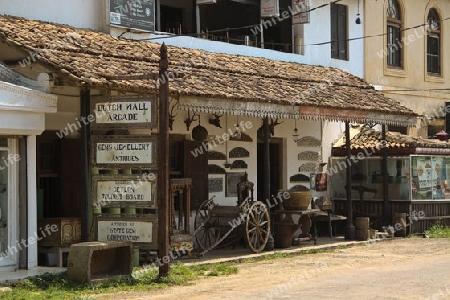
{"x":32,"y":199}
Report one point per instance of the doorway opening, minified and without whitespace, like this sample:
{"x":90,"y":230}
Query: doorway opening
{"x":275,"y":147}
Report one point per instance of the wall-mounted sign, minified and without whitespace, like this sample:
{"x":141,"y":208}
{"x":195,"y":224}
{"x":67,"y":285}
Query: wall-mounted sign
{"x":300,"y":9}
{"x":136,"y":14}
{"x":206,"y":2}
{"x":128,"y":111}
{"x":124,"y":151}
{"x":126,"y":190}
{"x":270,"y":8}
{"x":138,"y":230}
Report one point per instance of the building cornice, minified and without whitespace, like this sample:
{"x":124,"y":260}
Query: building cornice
{"x":13,"y":97}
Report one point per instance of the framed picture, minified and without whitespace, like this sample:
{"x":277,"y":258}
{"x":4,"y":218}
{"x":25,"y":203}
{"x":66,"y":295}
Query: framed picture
{"x":215,"y":185}
{"x":321,"y":182}
{"x":232,"y":179}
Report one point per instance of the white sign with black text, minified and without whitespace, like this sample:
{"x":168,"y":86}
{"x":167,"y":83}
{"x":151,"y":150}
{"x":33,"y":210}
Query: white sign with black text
{"x":124,"y":153}
{"x":125,"y":231}
{"x":123,"y":190}
{"x":123,"y":112}
{"x":270,"y":8}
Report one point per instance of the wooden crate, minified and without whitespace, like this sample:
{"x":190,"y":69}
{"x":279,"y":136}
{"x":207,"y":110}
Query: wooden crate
{"x":68,"y":232}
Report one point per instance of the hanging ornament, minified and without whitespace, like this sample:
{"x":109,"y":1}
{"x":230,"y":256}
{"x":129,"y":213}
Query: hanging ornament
{"x":199,"y":133}
{"x":358,"y":19}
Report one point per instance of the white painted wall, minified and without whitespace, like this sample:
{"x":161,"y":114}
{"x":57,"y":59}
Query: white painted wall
{"x":78,"y":13}
{"x":289,"y":153}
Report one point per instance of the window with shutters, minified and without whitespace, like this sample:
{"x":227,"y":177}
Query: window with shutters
{"x":339,"y":44}
{"x":434,"y":43}
{"x":394,"y":32}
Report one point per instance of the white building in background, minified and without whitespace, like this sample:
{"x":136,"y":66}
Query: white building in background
{"x":22,"y":117}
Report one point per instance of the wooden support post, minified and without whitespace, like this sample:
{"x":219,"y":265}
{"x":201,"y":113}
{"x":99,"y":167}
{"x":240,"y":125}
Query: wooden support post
{"x":85,"y":99}
{"x":163,"y":165}
{"x":266,"y":159}
{"x":349,"y":229}
{"x":384,"y":168}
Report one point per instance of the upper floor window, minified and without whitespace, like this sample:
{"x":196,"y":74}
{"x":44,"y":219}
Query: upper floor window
{"x":434,"y":43}
{"x":339,"y":31}
{"x":394,"y":25}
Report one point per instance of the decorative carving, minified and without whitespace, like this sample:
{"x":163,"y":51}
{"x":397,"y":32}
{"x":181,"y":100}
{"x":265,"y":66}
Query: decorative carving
{"x":309,"y":155}
{"x":309,"y":141}
{"x":299,"y":178}
{"x":216,"y":120}
{"x":244,"y":138}
{"x":239,"y":164}
{"x":215,"y":169}
{"x":216,"y":155}
{"x":309,"y":167}
{"x":232,"y":180}
{"x":215,"y":185}
{"x":190,"y":119}
{"x":172,"y":115}
{"x":273,"y":124}
{"x":239,"y":152}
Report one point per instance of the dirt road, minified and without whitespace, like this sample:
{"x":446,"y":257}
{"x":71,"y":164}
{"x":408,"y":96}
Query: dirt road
{"x":399,"y":269}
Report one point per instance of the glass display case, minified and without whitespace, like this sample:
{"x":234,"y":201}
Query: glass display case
{"x":412,"y":177}
{"x":429,"y":175}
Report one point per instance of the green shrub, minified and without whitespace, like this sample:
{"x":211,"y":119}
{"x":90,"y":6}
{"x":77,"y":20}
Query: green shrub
{"x":437,"y":230}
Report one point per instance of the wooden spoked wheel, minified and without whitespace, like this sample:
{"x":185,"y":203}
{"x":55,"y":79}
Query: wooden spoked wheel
{"x":257,"y":226}
{"x":207,"y":228}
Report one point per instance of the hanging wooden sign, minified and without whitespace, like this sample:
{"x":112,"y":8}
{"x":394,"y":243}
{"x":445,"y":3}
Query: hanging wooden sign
{"x":124,"y":151}
{"x":142,"y":231}
{"x":120,"y":190}
{"x":124,"y":112}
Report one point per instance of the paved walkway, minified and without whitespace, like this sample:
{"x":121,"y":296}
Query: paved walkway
{"x":10,"y":277}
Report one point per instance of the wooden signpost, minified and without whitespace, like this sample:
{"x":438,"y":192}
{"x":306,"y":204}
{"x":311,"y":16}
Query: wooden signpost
{"x":134,"y":152}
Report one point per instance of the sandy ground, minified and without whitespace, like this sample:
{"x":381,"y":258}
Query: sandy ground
{"x":414,"y":268}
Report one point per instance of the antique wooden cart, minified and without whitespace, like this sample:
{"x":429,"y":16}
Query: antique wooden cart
{"x":214,"y":223}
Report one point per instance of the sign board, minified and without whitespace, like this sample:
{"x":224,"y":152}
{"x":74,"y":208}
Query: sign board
{"x":124,"y":151}
{"x":135,"y":14}
{"x":138,"y":230}
{"x":300,"y":10}
{"x":425,"y":174}
{"x":199,"y":2}
{"x":124,"y":112}
{"x":270,"y":8}
{"x":137,"y":191}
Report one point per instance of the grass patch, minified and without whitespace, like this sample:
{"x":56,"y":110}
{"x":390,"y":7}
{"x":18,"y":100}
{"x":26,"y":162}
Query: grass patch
{"x":438,"y":231}
{"x":342,"y":247}
{"x":316,"y":251}
{"x":271,"y":256}
{"x":51,"y":286}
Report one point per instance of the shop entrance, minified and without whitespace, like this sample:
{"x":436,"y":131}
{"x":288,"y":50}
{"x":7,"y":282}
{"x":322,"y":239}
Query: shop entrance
{"x":275,"y":169}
